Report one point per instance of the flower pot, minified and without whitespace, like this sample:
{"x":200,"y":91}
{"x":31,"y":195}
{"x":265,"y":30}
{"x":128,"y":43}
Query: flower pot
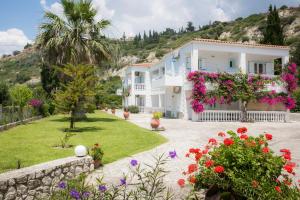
{"x":113,"y":111}
{"x":155,"y":123}
{"x":106,"y":109}
{"x":97,"y":164}
{"x":126,"y":115}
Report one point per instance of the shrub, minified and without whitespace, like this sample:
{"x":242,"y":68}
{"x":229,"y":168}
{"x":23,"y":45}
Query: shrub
{"x":97,"y":153}
{"x":157,"y":115}
{"x":44,"y":110}
{"x":244,"y":167}
{"x":133,"y":109}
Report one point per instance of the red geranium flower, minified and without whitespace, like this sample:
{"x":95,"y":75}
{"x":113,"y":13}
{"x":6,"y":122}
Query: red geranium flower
{"x":198,"y":156}
{"x":192,"y":179}
{"x":244,"y":137}
{"x":268,"y":136}
{"x":219,"y":169}
{"x":213,"y":141}
{"x":181,"y":182}
{"x":261,"y":142}
{"x":288,"y":168}
{"x":192,"y":168}
{"x":242,"y":130}
{"x":221,"y":134}
{"x":209,"y":163}
{"x":228,"y":141}
{"x":285,"y":151}
{"x":187,"y":155}
{"x":278,"y":189}
{"x":265,"y":150}
{"x":287,"y":156}
{"x":205,"y":151}
{"x":192,"y":150}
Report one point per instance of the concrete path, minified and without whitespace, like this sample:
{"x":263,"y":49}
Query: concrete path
{"x":184,"y":134}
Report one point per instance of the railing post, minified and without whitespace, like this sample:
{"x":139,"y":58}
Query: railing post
{"x":287,"y":116}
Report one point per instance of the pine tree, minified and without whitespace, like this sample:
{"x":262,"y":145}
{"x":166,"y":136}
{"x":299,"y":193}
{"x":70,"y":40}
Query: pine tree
{"x":190,"y":27}
{"x":273,"y":33}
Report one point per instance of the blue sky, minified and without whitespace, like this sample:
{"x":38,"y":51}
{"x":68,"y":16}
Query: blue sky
{"x":19,"y":19}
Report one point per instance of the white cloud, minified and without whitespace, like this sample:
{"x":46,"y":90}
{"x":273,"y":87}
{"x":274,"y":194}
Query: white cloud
{"x":11,"y":40}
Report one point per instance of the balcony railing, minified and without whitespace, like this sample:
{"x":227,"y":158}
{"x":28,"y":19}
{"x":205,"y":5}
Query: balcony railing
{"x":139,"y":87}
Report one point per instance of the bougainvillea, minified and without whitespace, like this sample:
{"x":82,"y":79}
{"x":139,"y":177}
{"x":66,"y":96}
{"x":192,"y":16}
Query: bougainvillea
{"x":242,"y":167}
{"x":228,"y":88}
{"x":36,"y":103}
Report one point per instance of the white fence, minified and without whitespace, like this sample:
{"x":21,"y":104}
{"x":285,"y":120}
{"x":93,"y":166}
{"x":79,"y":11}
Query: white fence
{"x":233,"y":116}
{"x":151,"y":109}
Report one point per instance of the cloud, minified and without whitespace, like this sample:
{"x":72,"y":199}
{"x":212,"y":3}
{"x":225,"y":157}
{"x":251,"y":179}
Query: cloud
{"x":11,"y":40}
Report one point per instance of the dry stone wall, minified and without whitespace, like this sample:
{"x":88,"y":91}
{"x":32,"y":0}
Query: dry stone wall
{"x":38,"y":181}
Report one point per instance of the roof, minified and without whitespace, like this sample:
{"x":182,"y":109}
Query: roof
{"x":141,"y":65}
{"x":240,"y":44}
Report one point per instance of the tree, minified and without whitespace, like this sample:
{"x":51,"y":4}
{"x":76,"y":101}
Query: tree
{"x":16,"y":52}
{"x":78,"y":92}
{"x":20,"y":95}
{"x":190,"y":27}
{"x":4,"y":92}
{"x":273,"y":33}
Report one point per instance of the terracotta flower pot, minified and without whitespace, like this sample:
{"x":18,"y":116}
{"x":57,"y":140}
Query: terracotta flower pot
{"x":113,"y":111}
{"x":155,"y":123}
{"x":126,"y":114}
{"x":97,"y":163}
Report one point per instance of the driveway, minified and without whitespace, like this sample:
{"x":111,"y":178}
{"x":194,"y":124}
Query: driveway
{"x":183,"y":134}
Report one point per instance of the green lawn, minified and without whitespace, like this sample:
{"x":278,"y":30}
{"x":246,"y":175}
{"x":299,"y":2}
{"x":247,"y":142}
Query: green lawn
{"x":33,"y":143}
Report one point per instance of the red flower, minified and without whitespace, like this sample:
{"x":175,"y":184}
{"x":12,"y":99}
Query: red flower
{"x":209,"y":163}
{"x":261,"y":142}
{"x":219,"y":169}
{"x":198,"y":156}
{"x":268,"y":136}
{"x":192,"y":179}
{"x":187,"y":155}
{"x":242,"y":130}
{"x":228,"y":141}
{"x":221,"y":134}
{"x":287,"y":182}
{"x":265,"y":150}
{"x":254,"y":184}
{"x":244,"y":137}
{"x":205,"y":151}
{"x":278,"y":189}
{"x":192,"y":168}
{"x":213,"y":141}
{"x":192,"y":150}
{"x":287,"y":156}
{"x":287,"y":151}
{"x":181,"y":182}
{"x":288,"y":168}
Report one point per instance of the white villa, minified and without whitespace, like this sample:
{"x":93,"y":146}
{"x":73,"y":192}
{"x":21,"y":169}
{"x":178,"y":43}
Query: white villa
{"x":163,"y":86}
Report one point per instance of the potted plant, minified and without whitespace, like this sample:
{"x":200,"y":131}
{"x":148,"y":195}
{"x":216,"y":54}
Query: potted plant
{"x":97,"y":155}
{"x":155,"y":122}
{"x":126,"y":113}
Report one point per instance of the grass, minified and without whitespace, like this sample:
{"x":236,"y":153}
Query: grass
{"x":33,"y":143}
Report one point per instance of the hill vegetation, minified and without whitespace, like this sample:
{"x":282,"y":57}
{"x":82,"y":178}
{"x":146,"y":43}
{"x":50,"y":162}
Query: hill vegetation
{"x":152,"y":45}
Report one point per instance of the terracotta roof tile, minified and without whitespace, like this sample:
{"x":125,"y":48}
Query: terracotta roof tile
{"x":141,"y":64}
{"x":240,"y":43}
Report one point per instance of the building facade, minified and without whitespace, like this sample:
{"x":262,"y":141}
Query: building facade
{"x":163,"y":86}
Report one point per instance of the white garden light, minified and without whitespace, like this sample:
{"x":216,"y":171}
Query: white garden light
{"x":80,"y":151}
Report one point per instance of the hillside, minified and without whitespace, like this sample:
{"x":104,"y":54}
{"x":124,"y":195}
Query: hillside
{"x":26,"y":65}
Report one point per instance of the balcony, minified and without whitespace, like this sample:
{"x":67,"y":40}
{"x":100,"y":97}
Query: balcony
{"x":139,"y":86}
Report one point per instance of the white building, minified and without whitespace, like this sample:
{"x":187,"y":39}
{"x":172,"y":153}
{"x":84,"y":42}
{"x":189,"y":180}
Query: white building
{"x":163,"y":86}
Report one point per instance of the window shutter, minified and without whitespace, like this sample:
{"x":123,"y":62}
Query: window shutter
{"x":270,"y":68}
{"x":251,"y":68}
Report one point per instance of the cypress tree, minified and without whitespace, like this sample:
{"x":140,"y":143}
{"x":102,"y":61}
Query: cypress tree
{"x":273,"y":33}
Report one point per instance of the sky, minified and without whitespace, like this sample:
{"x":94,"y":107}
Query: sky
{"x":20,"y":19}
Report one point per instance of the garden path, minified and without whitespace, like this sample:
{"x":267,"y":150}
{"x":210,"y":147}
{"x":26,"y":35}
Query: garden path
{"x":183,"y":134}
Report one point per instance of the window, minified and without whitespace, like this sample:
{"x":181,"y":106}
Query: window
{"x":200,"y":64}
{"x":231,"y":63}
{"x":163,"y":70}
{"x":188,"y":64}
{"x":259,"y":68}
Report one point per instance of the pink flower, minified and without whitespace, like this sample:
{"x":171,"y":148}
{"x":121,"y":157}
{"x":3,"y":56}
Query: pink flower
{"x":197,"y":106}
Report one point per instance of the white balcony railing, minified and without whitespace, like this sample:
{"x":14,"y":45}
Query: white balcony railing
{"x":233,"y":116}
{"x":139,"y":87}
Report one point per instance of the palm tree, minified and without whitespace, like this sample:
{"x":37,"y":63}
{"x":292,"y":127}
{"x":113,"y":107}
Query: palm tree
{"x":75,"y":37}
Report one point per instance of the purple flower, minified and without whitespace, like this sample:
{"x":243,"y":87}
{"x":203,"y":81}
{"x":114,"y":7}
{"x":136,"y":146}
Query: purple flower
{"x":123,"y":181}
{"x":74,"y":194}
{"x":133,"y":163}
{"x":62,"y":185}
{"x":102,"y":188}
{"x":172,"y":154}
{"x":85,"y":194}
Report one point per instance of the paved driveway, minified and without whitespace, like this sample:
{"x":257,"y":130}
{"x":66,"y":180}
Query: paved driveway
{"x":184,"y":134}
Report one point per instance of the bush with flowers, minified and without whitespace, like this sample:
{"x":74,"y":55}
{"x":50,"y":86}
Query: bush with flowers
{"x":242,"y":167}
{"x":97,"y":155}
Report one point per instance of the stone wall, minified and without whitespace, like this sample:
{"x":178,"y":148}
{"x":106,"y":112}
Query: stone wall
{"x":38,"y":181}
